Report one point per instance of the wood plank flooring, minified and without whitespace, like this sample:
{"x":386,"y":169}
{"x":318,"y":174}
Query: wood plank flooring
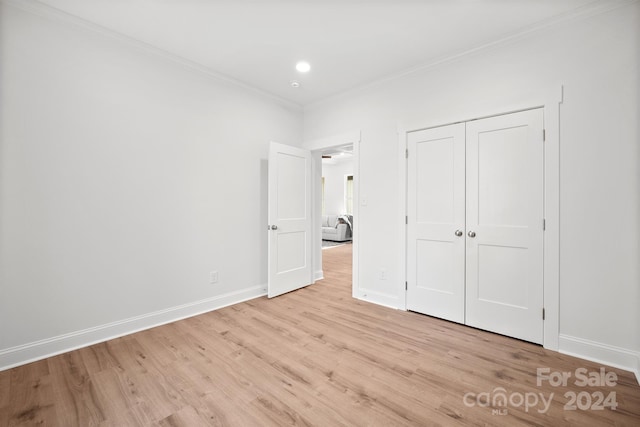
{"x":314,"y":357}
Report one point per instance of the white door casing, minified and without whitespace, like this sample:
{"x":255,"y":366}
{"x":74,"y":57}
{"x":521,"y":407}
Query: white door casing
{"x":435,"y":222}
{"x":289,"y":249}
{"x":505,"y":212}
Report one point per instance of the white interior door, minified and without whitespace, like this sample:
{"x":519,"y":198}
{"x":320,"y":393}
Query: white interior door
{"x":289,"y":219}
{"x":504,"y":253}
{"x":435,"y":230}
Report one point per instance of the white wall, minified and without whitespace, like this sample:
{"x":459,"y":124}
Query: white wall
{"x":125,"y":178}
{"x":597,"y":59}
{"x":334,"y":186}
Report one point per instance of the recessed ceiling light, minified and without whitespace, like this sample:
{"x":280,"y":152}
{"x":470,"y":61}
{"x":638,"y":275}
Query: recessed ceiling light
{"x":303,"y":66}
{"x":294,"y":83}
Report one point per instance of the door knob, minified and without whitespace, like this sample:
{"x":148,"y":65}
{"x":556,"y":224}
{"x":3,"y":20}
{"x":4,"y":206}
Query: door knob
{"x":274,"y":227}
{"x":458,"y":233}
{"x":472,"y":234}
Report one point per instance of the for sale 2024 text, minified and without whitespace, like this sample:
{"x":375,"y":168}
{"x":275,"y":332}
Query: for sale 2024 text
{"x":582,"y":377}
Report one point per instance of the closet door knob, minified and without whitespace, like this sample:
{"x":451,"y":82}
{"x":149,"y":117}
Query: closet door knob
{"x":459,"y":233}
{"x":471,"y":234}
{"x":274,"y":227}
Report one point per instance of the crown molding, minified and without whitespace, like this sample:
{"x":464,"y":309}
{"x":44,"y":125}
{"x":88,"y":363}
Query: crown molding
{"x":594,"y":8}
{"x":35,"y":7}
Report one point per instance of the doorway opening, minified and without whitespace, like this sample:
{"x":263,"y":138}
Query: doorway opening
{"x":337,"y":211}
{"x":335,"y":203}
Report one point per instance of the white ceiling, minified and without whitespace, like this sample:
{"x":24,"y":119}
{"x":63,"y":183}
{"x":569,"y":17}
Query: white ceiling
{"x":349,"y":43}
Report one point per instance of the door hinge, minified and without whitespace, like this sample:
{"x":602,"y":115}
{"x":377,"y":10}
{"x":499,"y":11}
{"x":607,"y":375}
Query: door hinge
{"x":544,"y":224}
{"x":406,"y":219}
{"x":406,"y":286}
{"x":544,"y":135}
{"x":406,"y":153}
{"x":543,"y":314}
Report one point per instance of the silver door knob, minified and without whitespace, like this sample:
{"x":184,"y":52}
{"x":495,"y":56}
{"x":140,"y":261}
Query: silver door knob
{"x":458,"y":233}
{"x":471,"y":234}
{"x":274,"y":227}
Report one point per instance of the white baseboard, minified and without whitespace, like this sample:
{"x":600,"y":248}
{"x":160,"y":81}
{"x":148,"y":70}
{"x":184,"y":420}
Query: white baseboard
{"x":30,"y":352}
{"x":318,"y":275}
{"x":379,"y":298}
{"x":616,"y":357}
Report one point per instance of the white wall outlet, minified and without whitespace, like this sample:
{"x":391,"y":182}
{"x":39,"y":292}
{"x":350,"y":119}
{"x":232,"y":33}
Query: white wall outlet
{"x":383,"y":274}
{"x":213,"y":277}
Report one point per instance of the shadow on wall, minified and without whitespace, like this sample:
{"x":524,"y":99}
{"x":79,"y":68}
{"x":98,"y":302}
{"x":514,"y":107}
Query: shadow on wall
{"x":637,"y":138}
{"x":2,"y":148}
{"x":264,"y":218}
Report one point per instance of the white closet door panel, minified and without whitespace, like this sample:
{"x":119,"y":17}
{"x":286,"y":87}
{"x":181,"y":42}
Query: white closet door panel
{"x":504,"y":260}
{"x":435,"y":254}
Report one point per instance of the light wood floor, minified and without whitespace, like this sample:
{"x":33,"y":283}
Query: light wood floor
{"x":312,"y":357}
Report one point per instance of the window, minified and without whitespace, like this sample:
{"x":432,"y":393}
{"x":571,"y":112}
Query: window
{"x":348,"y":195}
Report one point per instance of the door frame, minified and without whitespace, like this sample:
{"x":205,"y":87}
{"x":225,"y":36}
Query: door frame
{"x":550,"y":100}
{"x":317,"y":146}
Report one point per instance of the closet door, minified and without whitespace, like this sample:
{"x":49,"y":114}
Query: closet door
{"x":504,"y":240}
{"x":435,"y":230}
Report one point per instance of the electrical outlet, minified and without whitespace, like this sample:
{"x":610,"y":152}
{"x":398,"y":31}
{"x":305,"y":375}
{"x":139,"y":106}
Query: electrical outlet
{"x":383,"y":274}
{"x":213,"y":277}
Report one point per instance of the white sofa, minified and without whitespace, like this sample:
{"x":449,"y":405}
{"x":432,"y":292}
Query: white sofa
{"x":336,"y":228}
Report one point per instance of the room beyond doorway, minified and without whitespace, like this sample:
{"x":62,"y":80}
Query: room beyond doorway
{"x":328,"y":146}
{"x":337,"y":264}
{"x":326,"y":244}
{"x":337,"y":204}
